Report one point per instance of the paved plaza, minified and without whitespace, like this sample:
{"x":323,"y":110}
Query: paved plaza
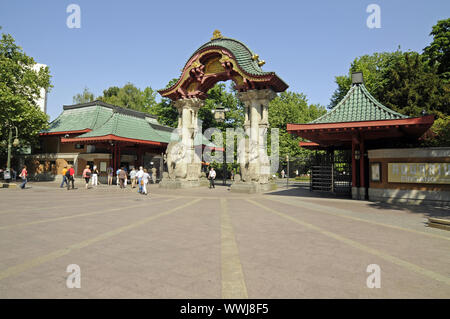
{"x":212,"y":243}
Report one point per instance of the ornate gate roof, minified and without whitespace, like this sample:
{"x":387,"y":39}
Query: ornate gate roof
{"x":222,"y":59}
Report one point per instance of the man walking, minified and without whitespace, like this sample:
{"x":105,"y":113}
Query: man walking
{"x":122,"y":175}
{"x":64,"y":178}
{"x":212,"y":177}
{"x":140,"y":175}
{"x":133,"y":178}
{"x":145,"y":181}
{"x":94,"y":176}
{"x":70,"y":175}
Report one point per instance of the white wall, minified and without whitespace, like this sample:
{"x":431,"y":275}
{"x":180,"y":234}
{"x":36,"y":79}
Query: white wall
{"x":42,"y":100}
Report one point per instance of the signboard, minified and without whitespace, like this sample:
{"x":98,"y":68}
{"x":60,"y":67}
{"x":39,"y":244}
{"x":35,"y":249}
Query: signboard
{"x":102,"y":166}
{"x":427,"y":173}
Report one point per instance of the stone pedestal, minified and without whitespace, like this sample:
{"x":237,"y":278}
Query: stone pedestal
{"x":253,"y":158}
{"x":359,"y":193}
{"x":182,"y":183}
{"x":252,"y":187}
{"x":183,"y":163}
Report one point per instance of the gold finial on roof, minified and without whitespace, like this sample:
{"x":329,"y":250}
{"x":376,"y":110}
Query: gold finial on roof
{"x":255,"y":57}
{"x":217,"y":35}
{"x":261,"y":63}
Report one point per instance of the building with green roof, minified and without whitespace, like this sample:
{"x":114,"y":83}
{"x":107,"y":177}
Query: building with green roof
{"x":105,"y":135}
{"x":358,"y":123}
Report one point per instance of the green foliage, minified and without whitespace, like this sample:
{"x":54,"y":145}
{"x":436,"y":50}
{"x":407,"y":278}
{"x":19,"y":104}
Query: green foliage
{"x":290,"y":107}
{"x":409,"y":86}
{"x":20,"y":87}
{"x":438,"y":52}
{"x":373,"y":67}
{"x":219,"y":95}
{"x":166,"y":112}
{"x":409,"y":82}
{"x":84,"y":97}
{"x":131,"y":97}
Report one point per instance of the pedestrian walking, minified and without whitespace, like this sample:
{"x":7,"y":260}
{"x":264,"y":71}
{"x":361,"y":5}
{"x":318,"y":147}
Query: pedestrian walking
{"x":64,"y":178}
{"x":282,"y":173}
{"x":117,"y":177}
{"x":145,"y":181}
{"x":139,"y":176}
{"x":70,"y":175}
{"x":110,"y":172}
{"x":154,"y":175}
{"x":94,"y":176}
{"x":212,"y":177}
{"x":87,"y":175}
{"x":121,"y":176}
{"x":23,"y":175}
{"x":133,"y":177}
{"x":126,"y":176}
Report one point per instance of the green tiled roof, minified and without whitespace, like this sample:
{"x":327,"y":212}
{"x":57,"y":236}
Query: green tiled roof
{"x":89,"y":117}
{"x":242,"y":53}
{"x":105,"y":119}
{"x":358,"y":105}
{"x":127,"y":126}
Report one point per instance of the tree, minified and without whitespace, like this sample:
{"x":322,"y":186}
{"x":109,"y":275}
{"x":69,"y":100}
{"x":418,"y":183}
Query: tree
{"x":372,"y":67}
{"x":409,"y":87}
{"x":437,"y":53}
{"x":166,"y":112}
{"x":20,"y":87}
{"x":84,"y":97}
{"x":291,"y":107}
{"x":130,"y":97}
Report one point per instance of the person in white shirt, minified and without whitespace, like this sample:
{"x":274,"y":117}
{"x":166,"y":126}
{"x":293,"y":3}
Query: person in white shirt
{"x":133,"y":178}
{"x":146,"y":180}
{"x":94,"y":176}
{"x":139,"y":176}
{"x":212,"y":177}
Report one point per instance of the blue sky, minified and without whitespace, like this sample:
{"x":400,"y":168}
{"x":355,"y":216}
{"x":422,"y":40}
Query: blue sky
{"x":307,"y":43}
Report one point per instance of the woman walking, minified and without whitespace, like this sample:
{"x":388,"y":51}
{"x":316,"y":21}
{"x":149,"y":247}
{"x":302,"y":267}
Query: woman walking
{"x":87,"y":175}
{"x":23,"y":175}
{"x":110,"y":173}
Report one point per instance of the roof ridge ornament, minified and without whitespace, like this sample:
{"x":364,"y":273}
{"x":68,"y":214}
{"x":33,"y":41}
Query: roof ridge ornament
{"x":217,"y":35}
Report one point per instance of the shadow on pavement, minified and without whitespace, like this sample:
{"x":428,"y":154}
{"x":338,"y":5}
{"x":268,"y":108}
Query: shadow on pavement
{"x":426,"y":210}
{"x":303,"y":191}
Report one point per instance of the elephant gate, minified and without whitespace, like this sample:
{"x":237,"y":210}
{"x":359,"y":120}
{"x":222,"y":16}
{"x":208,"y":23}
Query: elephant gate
{"x":221,"y":59}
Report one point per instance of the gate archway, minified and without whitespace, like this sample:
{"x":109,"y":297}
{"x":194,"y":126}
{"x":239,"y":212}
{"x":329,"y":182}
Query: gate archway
{"x":221,"y":59}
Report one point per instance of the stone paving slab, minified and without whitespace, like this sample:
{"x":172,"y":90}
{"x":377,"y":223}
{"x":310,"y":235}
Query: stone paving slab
{"x":211,"y":243}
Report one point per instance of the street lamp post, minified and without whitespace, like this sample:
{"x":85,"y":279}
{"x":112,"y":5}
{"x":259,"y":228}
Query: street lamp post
{"x":219,"y":116}
{"x":287,"y":173}
{"x":15,"y":143}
